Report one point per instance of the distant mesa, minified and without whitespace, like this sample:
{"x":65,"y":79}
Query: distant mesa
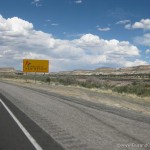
{"x":7,"y":70}
{"x":142,"y":69}
{"x":105,"y":69}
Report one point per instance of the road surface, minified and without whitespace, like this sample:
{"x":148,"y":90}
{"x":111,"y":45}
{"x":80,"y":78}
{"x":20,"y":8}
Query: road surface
{"x":59,"y":122}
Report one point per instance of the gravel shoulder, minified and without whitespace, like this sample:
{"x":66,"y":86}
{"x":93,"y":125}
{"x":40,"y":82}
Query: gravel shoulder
{"x":131,"y":102}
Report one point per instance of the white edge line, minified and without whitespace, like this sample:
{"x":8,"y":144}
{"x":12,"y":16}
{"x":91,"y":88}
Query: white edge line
{"x":28,"y":135}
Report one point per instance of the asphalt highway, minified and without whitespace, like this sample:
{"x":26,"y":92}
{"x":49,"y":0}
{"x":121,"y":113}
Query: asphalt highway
{"x":11,"y":137}
{"x":59,"y":122}
{"x":19,"y":132}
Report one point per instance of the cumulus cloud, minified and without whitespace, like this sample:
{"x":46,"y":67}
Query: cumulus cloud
{"x":19,"y":39}
{"x":14,"y":26}
{"x":142,"y":24}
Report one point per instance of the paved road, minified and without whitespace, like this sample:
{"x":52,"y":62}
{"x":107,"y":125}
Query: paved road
{"x":19,"y":132}
{"x":9,"y":128}
{"x":77,"y":124}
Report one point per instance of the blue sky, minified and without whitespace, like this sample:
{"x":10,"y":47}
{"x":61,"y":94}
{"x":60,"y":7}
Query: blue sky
{"x":75,"y":34}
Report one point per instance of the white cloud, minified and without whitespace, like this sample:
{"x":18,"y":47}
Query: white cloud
{"x":19,"y":39}
{"x":128,"y":26}
{"x":89,"y":39}
{"x":147,"y":51}
{"x":137,"y":62}
{"x":14,"y":26}
{"x":143,"y":40}
{"x":37,"y":3}
{"x":123,"y":22}
{"x":142,"y":24}
{"x":78,"y":1}
{"x":104,"y":29}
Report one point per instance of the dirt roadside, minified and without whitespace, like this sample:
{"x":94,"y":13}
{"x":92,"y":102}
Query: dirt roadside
{"x":131,"y":102}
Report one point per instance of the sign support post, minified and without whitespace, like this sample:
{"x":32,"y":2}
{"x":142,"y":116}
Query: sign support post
{"x":26,"y":76}
{"x":35,"y":77}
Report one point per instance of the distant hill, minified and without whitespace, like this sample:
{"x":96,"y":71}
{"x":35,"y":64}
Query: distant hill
{"x":7,"y":70}
{"x":136,"y":70}
{"x":143,"y":69}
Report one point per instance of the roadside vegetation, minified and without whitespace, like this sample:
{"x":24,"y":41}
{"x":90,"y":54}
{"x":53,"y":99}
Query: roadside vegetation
{"x":139,"y":89}
{"x":123,"y":84}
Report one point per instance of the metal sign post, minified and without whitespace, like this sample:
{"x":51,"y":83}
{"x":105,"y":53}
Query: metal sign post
{"x":35,"y":77}
{"x":26,"y":76}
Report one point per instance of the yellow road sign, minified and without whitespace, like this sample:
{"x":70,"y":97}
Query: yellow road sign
{"x":33,"y":65}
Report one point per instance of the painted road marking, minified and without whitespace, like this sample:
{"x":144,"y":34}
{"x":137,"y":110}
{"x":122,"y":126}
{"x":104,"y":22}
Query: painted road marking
{"x":28,"y":135}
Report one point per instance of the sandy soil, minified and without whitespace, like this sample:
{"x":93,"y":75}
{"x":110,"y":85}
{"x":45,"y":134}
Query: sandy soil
{"x":132,"y":102}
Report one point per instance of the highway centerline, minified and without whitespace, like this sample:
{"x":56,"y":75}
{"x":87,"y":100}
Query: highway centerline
{"x":27,"y":134}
